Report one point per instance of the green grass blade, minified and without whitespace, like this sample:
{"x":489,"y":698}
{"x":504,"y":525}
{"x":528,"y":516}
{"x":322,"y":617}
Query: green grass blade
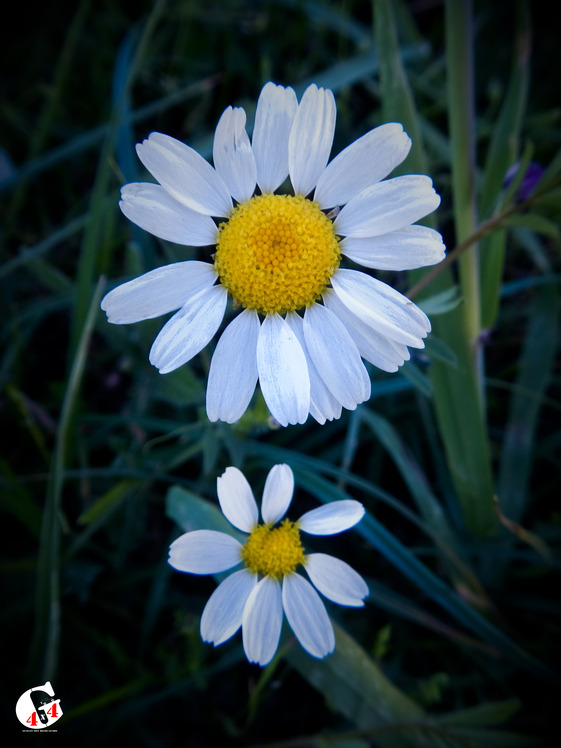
{"x":397,"y":98}
{"x":45,"y":643}
{"x":456,"y":392}
{"x":535,"y":372}
{"x":460,"y":87}
{"x":502,"y":153}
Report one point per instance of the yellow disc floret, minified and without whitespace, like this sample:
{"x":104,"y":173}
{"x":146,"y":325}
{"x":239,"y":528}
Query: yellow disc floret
{"x":273,"y":551}
{"x":276,"y":253}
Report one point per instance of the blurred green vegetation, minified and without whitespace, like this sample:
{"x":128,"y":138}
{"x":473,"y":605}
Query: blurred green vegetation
{"x":456,"y":457}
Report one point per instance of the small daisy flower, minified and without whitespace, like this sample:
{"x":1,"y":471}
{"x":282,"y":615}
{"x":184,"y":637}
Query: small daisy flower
{"x":305,"y":321}
{"x":255,"y":596}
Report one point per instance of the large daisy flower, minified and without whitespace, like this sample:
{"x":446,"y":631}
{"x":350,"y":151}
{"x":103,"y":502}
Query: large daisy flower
{"x":255,"y":596}
{"x":305,"y":322}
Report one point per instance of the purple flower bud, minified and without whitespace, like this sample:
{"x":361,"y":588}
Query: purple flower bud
{"x":533,"y":174}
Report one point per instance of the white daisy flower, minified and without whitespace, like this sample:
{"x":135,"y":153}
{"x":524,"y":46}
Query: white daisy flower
{"x":306,"y":322}
{"x":255,"y":596}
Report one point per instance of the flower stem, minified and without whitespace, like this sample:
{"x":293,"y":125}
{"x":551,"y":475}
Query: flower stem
{"x":462,"y":135}
{"x":492,"y":224}
{"x":45,"y":642}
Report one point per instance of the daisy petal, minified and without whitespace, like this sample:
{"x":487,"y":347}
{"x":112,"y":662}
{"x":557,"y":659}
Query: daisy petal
{"x":336,"y":580}
{"x":185,"y":174}
{"x":323,"y":405}
{"x":154,"y":210}
{"x":311,"y":138}
{"x":307,"y":616}
{"x":332,"y":518}
{"x":157,"y":292}
{"x":236,"y":499}
{"x":233,"y":158}
{"x":233,"y":370}
{"x":387,"y":206}
{"x":363,"y":163}
{"x":372,"y":345}
{"x":223,"y":612}
{"x":189,"y":330}
{"x":262,"y":621}
{"x":381,"y":307}
{"x":277,"y":493}
{"x":204,"y":552}
{"x":335,"y":356}
{"x":404,"y":249}
{"x":274,"y":115}
{"x":283,"y":373}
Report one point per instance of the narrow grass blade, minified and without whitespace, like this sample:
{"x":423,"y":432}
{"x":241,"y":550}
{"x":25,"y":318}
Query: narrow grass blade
{"x":45,"y":643}
{"x":535,"y":372}
{"x":502,"y":153}
{"x":397,"y":98}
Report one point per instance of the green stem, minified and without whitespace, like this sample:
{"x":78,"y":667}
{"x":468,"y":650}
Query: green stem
{"x":462,"y":136}
{"x":45,"y":643}
{"x":492,"y":224}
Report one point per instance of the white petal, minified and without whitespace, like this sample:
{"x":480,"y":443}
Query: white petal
{"x":157,"y":292}
{"x":307,"y":616}
{"x":283,"y":373}
{"x":332,"y":518}
{"x":189,"y":330}
{"x":336,"y":580}
{"x":204,"y":552}
{"x":262,"y":621}
{"x":155,"y":210}
{"x":387,"y":206}
{"x":232,"y":154}
{"x":323,"y":405}
{"x":236,"y":499}
{"x":223,"y":612}
{"x":311,"y":138}
{"x":277,"y":493}
{"x":363,"y":163}
{"x":381,"y":307}
{"x":384,"y":353}
{"x":274,"y":115}
{"x":185,"y":174}
{"x":404,"y":249}
{"x":233,"y":370}
{"x":335,"y":356}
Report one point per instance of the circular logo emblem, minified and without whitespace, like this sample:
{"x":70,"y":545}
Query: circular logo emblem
{"x":38,"y":708}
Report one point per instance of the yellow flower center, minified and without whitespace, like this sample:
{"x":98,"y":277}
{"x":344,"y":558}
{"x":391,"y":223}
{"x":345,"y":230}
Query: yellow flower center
{"x":276,"y":253}
{"x":273,"y":551}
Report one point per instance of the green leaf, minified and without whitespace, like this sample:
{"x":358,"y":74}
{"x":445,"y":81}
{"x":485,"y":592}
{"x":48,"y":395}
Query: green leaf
{"x":483,"y":715}
{"x":437,"y":350}
{"x":103,"y":507}
{"x":441,"y":302}
{"x":428,"y":505}
{"x":180,"y":387}
{"x":192,"y":512}
{"x":462,"y":428}
{"x":535,"y":222}
{"x":417,"y":378}
{"x":355,"y":686}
